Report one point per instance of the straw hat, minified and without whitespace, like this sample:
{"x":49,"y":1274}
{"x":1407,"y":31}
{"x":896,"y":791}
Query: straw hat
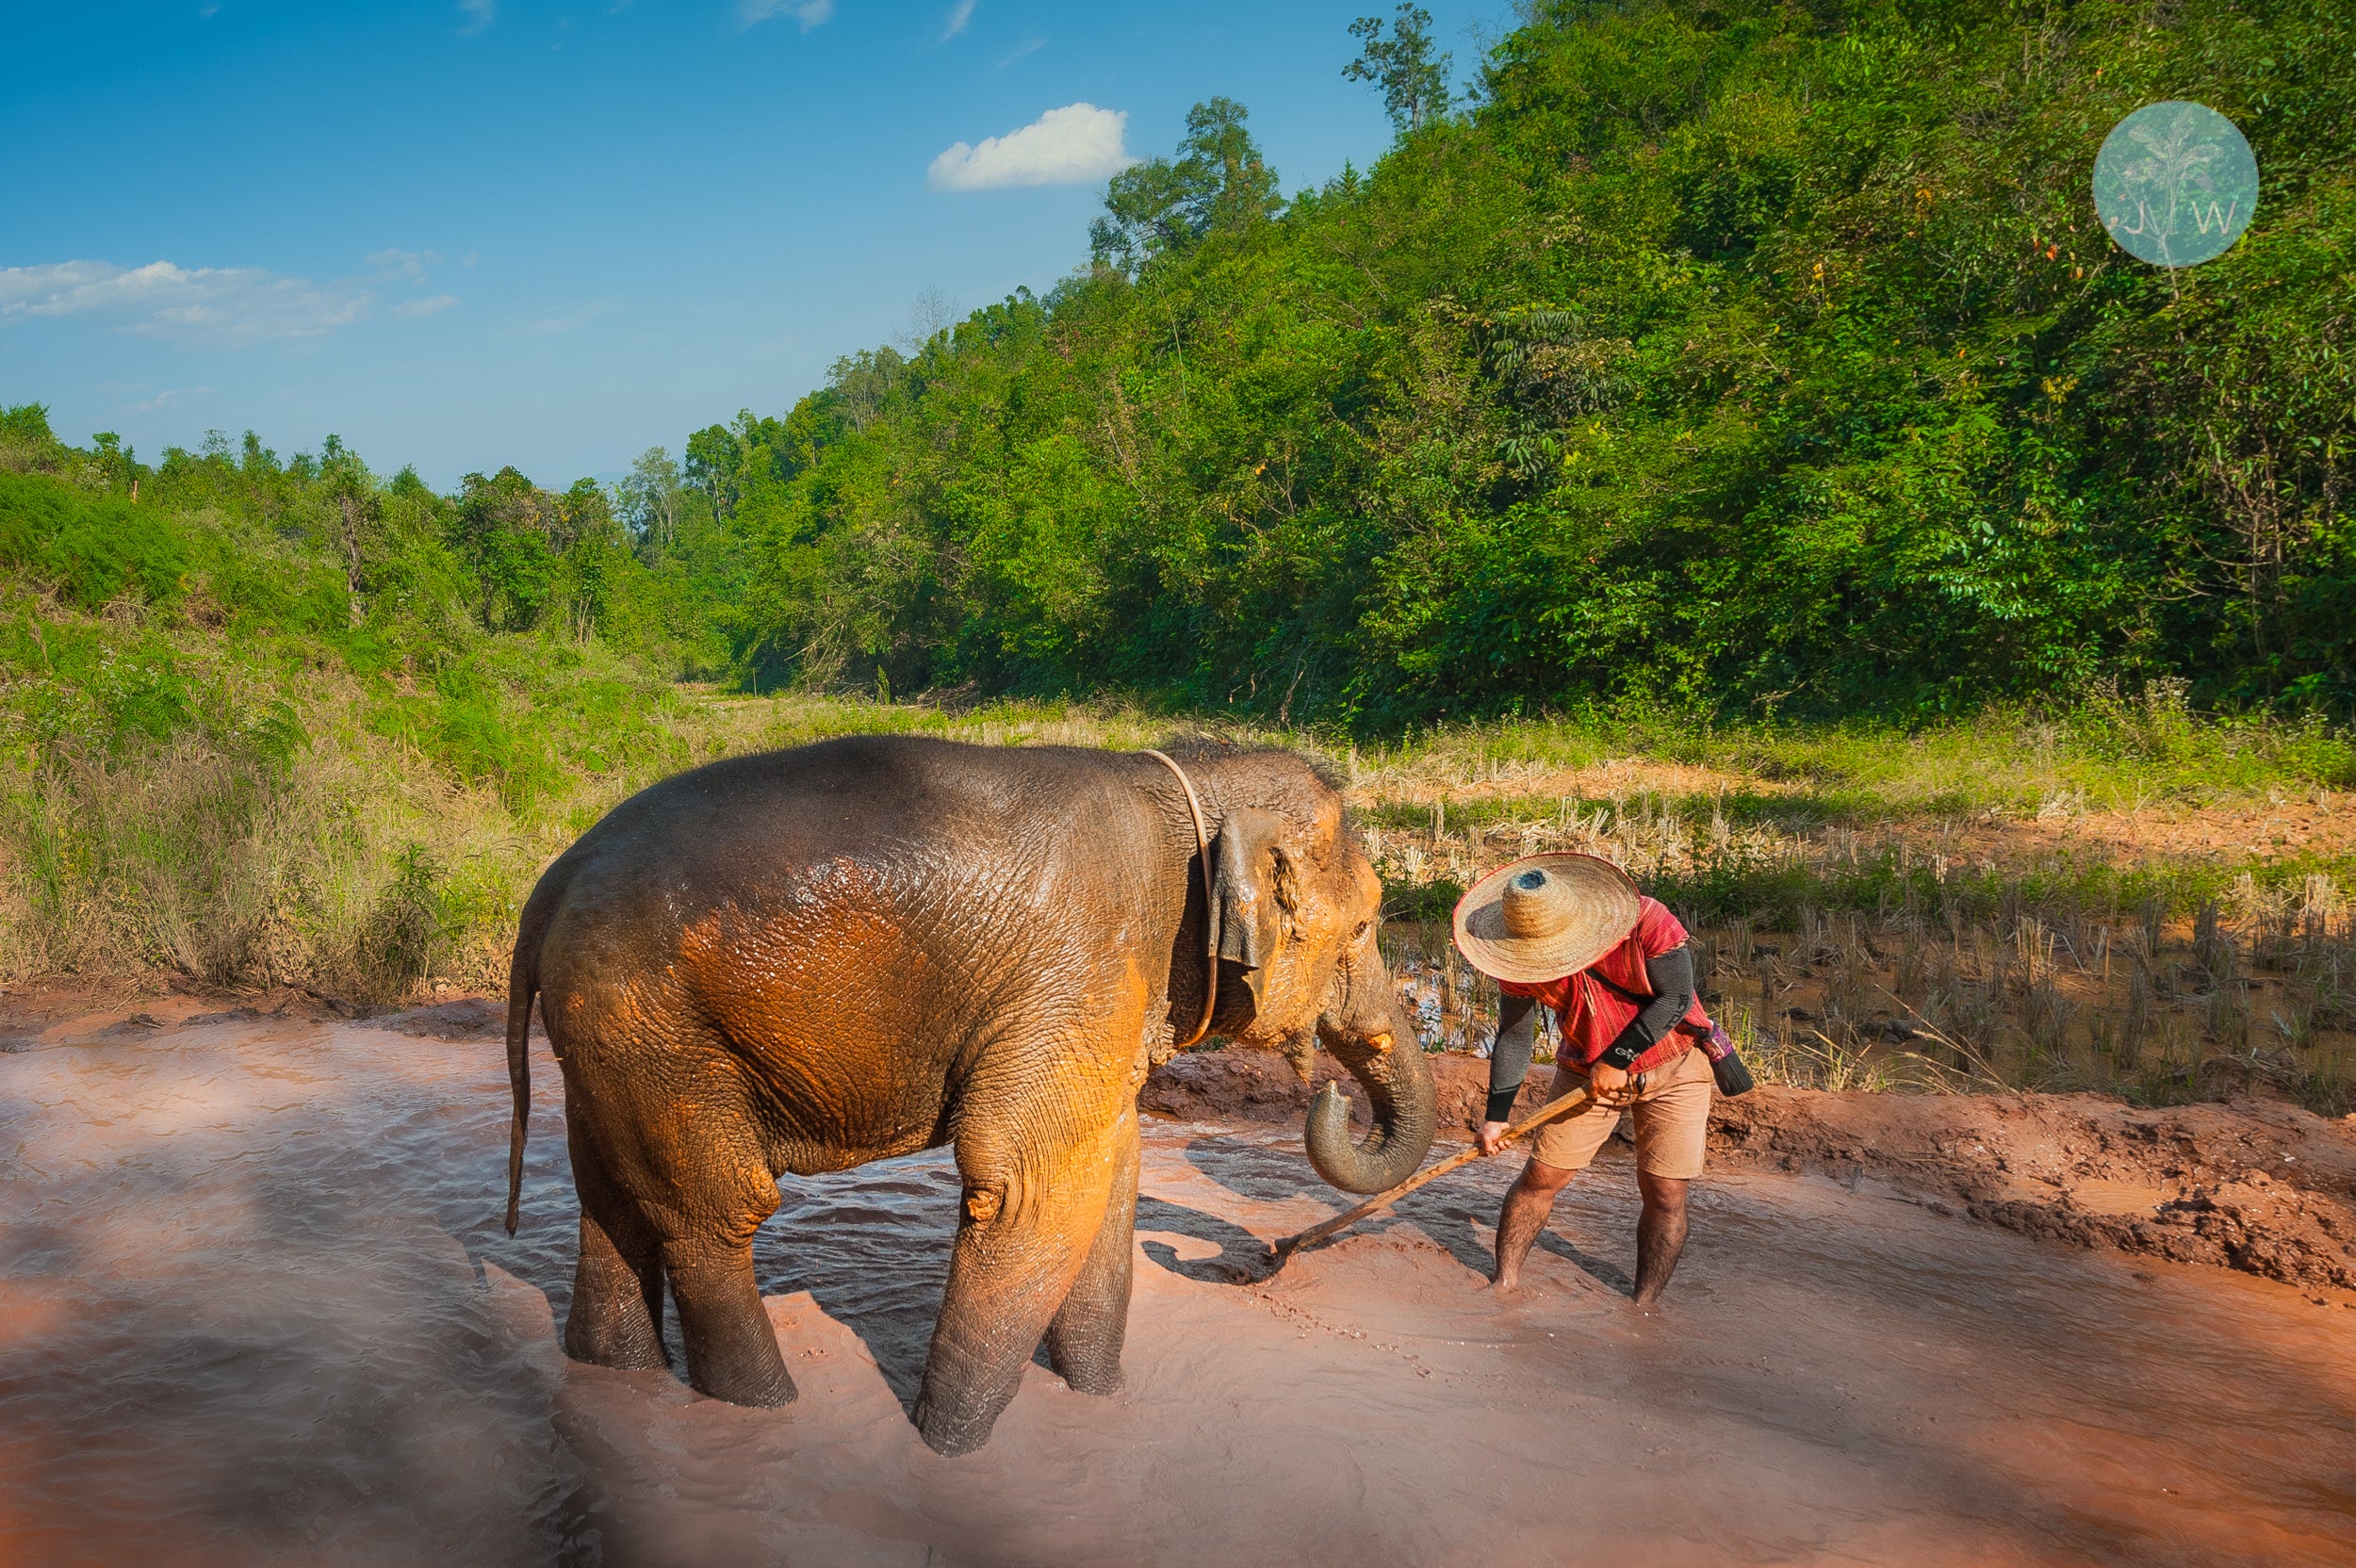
{"x":1544,"y":916}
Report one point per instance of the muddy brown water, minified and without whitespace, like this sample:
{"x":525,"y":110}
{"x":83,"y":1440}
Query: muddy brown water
{"x":255,"y":1309}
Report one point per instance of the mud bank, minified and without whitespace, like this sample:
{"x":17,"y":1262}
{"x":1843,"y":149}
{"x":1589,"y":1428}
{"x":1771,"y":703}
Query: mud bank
{"x":256,"y":1308}
{"x":2255,"y":1186}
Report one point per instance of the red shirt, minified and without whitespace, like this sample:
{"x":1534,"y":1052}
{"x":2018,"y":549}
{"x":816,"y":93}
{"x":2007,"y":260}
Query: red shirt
{"x":1592,"y":1017}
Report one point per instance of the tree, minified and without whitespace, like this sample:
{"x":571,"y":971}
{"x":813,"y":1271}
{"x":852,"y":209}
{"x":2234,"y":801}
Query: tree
{"x":1219,"y":183}
{"x":713,"y":458}
{"x":500,"y":528}
{"x":26,"y":443}
{"x":351,"y":490}
{"x":650,"y":501}
{"x":114,"y":463}
{"x":726,"y":462}
{"x":1412,"y":78}
{"x":585,"y":533}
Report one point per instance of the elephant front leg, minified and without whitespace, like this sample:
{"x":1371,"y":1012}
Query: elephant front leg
{"x":1031,"y":1221}
{"x":1083,"y":1340}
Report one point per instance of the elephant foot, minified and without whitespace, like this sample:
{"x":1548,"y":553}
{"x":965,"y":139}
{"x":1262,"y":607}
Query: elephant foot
{"x":951,"y":1433}
{"x":1088,"y":1364}
{"x":756,"y":1388}
{"x":732,"y":1347}
{"x":1103,"y":1382}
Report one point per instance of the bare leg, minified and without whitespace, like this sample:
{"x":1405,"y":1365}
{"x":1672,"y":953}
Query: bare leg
{"x":1527,"y":1204}
{"x":1660,"y":1234}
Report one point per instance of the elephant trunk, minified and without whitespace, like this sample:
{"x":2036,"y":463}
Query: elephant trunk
{"x":1389,"y":1062}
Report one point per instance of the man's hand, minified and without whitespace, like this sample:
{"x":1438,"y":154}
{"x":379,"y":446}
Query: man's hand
{"x":1609,"y":1085}
{"x":1491,"y":1137}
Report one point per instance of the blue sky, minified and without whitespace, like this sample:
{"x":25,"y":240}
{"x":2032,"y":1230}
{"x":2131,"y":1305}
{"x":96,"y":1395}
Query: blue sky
{"x":466,"y":233}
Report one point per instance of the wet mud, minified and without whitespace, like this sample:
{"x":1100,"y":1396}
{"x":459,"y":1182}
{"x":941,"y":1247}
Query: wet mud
{"x":255,"y":1308}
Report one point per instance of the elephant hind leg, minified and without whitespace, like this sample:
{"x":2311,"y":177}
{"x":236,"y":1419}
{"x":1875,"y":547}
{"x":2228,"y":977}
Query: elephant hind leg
{"x":690,"y":1207}
{"x":615,"y":1318}
{"x":731,"y":1347}
{"x":1083,"y":1340}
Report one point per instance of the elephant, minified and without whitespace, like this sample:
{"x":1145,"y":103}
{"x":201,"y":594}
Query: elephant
{"x":805,"y":960}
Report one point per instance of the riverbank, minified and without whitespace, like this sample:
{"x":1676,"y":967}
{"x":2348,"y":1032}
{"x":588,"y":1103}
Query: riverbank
{"x":262,"y":1312}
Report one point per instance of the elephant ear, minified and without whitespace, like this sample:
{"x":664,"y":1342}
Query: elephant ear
{"x":1252,"y":895}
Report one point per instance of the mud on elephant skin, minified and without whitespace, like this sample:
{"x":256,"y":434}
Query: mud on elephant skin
{"x":807,"y":960}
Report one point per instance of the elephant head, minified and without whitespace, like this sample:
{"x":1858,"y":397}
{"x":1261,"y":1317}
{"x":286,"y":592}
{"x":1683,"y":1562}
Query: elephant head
{"x":1295,"y":905}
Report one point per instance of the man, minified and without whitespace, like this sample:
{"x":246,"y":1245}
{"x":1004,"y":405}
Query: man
{"x":1573,"y":933}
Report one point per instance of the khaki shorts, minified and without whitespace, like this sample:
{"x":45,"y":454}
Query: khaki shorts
{"x":1672,"y":1113}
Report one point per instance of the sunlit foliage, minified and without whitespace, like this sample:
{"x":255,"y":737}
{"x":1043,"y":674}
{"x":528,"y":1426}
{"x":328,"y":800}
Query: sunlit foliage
{"x":1751,"y":359}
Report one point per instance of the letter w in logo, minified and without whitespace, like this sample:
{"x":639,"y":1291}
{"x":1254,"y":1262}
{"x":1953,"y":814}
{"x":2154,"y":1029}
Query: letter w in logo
{"x":2221,"y":221}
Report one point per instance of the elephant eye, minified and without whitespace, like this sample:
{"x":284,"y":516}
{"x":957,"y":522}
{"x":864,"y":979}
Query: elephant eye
{"x":1360,"y":935}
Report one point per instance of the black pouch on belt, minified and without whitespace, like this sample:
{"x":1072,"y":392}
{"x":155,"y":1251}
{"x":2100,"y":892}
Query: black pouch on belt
{"x":1725,"y":1066}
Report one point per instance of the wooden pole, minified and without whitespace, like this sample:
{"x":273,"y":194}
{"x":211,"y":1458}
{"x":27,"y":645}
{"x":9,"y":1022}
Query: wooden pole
{"x":1578,"y":1100}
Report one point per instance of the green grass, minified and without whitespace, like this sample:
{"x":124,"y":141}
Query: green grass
{"x":212,"y":765}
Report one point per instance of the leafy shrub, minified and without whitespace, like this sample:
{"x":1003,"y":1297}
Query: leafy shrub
{"x":91,"y":549}
{"x":405,"y":932}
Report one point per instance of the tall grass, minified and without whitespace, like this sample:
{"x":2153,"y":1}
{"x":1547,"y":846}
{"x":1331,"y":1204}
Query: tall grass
{"x":370,"y":833}
{"x":361,"y":840}
{"x":1874,"y":912}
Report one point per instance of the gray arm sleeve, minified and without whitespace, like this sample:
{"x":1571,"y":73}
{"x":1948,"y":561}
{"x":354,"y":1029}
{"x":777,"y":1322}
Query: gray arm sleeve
{"x":1672,"y":977}
{"x":1509,"y":1057}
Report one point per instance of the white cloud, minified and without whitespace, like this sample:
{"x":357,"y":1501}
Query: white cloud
{"x":1072,"y":145}
{"x":810,"y":13}
{"x":410,"y":310}
{"x":201,"y":304}
{"x":402,"y":266}
{"x":957,"y":19}
{"x":1031,"y":48}
{"x":479,"y":15}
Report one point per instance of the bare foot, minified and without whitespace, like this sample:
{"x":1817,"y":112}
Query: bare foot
{"x":1502,"y":1286}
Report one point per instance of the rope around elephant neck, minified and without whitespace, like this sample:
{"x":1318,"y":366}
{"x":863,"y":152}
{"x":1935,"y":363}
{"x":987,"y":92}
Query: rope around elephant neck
{"x":1210,"y":914}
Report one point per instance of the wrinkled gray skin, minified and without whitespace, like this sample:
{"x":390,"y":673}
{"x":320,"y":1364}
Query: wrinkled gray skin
{"x":810,"y":959}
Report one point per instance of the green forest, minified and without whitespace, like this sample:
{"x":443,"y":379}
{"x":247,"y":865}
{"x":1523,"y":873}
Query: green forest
{"x":1752,"y":360}
{"x":1685,"y":368}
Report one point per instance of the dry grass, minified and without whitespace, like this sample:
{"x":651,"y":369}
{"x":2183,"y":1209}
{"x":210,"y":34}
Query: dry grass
{"x":2255,"y":995}
{"x":356,"y":865}
{"x":1866,"y":946}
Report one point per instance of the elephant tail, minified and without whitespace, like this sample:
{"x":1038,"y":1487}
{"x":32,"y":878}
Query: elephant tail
{"x":523,"y":980}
